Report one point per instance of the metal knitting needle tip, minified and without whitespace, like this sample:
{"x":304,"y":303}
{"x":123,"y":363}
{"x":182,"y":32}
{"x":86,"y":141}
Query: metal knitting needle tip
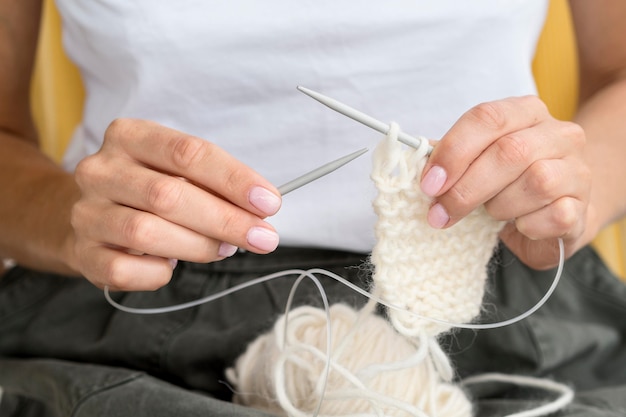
{"x":361,"y":117}
{"x":319,"y":172}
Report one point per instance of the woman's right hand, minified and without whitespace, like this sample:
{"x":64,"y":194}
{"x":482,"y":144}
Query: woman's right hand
{"x":152,"y":195}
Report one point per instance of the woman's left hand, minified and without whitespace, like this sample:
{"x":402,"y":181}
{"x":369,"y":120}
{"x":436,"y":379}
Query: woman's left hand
{"x":525,"y":166}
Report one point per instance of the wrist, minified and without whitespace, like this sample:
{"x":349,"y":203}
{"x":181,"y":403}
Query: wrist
{"x":55,"y":251}
{"x":67,"y":246}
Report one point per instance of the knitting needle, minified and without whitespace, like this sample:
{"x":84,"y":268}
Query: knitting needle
{"x":319,"y":172}
{"x":362,"y":117}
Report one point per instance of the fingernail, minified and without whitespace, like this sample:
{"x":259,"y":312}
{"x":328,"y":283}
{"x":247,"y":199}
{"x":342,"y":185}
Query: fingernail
{"x":433,"y":180}
{"x":264,"y":200}
{"x":437,"y":216}
{"x":173,"y":262}
{"x":226,"y":250}
{"x":263,"y":239}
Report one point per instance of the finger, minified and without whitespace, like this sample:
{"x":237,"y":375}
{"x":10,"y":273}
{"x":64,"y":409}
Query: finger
{"x":125,"y":272}
{"x":505,"y":160}
{"x":562,"y":218}
{"x":145,"y":233}
{"x":473,"y":133}
{"x":540,"y":185}
{"x":197,"y":160}
{"x":537,"y":254}
{"x":184,"y":204}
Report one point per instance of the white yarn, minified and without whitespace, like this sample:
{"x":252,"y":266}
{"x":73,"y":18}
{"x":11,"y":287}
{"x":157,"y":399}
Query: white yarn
{"x":567,"y":394}
{"x":374,"y":370}
{"x":434,"y":273}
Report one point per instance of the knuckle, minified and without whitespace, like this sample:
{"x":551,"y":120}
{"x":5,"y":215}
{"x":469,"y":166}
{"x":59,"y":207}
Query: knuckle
{"x":164,"y":194}
{"x":544,"y":180}
{"x":115,"y":280}
{"x":575,"y":133}
{"x":489,"y":114}
{"x":230,"y":224}
{"x":461,"y":201}
{"x":187,"y":151}
{"x":86,"y":170}
{"x":512,"y":150}
{"x":495,"y":211}
{"x":564,"y":215}
{"x":113,"y":274}
{"x":119,"y":127}
{"x":233,"y":180}
{"x":138,"y":231}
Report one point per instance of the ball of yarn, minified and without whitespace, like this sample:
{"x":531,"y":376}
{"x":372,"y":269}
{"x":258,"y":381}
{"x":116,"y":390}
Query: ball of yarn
{"x":374,"y":370}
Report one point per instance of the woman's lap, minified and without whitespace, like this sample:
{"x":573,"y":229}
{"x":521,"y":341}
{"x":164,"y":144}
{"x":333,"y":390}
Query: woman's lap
{"x":62,"y":330}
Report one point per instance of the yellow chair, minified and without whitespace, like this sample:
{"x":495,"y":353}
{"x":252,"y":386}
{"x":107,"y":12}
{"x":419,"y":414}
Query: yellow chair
{"x":57,"y":92}
{"x":58,"y":96}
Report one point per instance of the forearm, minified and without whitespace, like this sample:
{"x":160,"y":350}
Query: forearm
{"x":603,"y":117}
{"x":35,"y":228}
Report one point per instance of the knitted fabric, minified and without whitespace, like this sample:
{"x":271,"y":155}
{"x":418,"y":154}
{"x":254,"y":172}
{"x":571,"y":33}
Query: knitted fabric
{"x":437,"y":274}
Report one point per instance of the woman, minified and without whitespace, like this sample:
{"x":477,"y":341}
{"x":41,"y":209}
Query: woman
{"x":147,"y":192}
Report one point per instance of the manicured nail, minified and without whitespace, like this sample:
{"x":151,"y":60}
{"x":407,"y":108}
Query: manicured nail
{"x":437,"y":216}
{"x":264,"y":200}
{"x":433,"y":180}
{"x":263,"y":239}
{"x":226,"y":250}
{"x":173,"y":262}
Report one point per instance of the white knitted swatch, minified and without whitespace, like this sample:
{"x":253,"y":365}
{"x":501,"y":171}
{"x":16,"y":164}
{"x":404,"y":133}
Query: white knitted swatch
{"x":438,"y":274}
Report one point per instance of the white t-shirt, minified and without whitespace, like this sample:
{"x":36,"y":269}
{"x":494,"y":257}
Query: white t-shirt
{"x":227,"y":71}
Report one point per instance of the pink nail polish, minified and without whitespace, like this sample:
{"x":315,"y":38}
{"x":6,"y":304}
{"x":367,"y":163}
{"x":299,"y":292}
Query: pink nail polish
{"x":173,"y":262}
{"x":433,"y":180}
{"x":226,"y":250}
{"x":263,"y":239}
{"x":264,"y":200}
{"x":437,"y":216}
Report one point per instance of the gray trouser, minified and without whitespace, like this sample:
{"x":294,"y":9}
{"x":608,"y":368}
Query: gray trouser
{"x":64,"y":351}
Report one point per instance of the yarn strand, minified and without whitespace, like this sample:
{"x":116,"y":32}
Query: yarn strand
{"x":324,"y":379}
{"x":329,"y":274}
{"x":566,"y":393}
